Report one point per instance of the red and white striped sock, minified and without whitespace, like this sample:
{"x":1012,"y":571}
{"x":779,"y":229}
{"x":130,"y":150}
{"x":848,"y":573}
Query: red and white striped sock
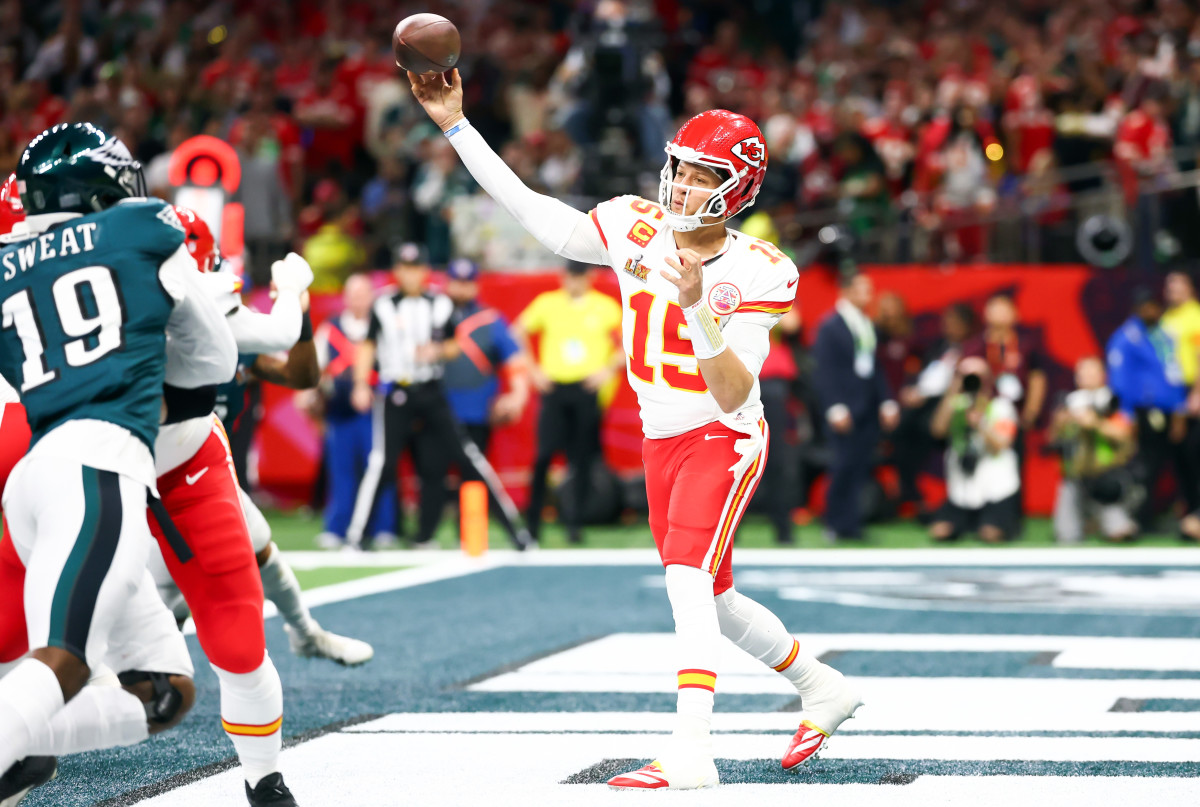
{"x":755,"y":629}
{"x":697,"y":635}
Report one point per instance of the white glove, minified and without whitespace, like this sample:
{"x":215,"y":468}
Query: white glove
{"x":292,"y":274}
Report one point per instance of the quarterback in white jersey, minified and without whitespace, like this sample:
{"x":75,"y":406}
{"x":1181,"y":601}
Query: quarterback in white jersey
{"x":748,"y":285}
{"x":699,"y":300}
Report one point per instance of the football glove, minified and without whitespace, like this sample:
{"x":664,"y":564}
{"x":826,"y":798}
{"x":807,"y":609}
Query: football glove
{"x":292,"y":274}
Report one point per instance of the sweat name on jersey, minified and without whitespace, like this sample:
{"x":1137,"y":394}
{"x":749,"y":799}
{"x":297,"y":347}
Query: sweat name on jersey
{"x":69,"y":239}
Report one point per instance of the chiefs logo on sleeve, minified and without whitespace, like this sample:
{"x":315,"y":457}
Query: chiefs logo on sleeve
{"x":751,"y":151}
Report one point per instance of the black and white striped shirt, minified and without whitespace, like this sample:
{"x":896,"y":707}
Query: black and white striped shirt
{"x":399,"y":325}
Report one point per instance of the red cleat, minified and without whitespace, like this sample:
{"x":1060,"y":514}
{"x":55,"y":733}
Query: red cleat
{"x":828,"y":704}
{"x":648,"y":778}
{"x":682,"y":771}
{"x":806,"y":745}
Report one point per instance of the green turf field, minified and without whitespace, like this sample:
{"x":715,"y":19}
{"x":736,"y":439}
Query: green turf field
{"x":326,"y":575}
{"x":295,"y":530}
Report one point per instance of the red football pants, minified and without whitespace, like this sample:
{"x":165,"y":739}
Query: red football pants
{"x":696,"y":502}
{"x":14,"y":442}
{"x":221,"y":582}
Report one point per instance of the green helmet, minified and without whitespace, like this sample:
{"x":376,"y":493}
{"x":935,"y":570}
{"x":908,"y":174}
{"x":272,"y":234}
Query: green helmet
{"x":77,"y":168}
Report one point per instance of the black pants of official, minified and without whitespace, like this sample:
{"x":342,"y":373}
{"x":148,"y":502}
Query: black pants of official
{"x":851,"y":457}
{"x":1154,"y":450}
{"x":416,"y":418}
{"x":1186,"y":457}
{"x":480,"y":435}
{"x":570,"y":423}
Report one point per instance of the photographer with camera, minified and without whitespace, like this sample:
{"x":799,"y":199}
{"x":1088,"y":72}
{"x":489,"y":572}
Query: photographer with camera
{"x":1096,"y":441}
{"x":983,"y":480}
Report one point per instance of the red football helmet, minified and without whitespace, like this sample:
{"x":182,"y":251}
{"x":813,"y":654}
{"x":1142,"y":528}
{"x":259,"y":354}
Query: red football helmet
{"x":727,"y":142}
{"x":11,"y":209}
{"x":199,"y":239}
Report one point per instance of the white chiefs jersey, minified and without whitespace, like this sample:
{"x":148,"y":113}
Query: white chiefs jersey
{"x":751,"y":282}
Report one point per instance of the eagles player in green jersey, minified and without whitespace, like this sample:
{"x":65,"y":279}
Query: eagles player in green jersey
{"x":90,"y":295}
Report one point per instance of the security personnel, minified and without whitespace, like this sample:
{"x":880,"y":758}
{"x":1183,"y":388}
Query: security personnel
{"x":1144,"y":374}
{"x":410,"y":335}
{"x":580,"y":330}
{"x":1181,"y":321}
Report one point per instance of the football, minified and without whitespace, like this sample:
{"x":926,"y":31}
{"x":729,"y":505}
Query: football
{"x":426,"y":43}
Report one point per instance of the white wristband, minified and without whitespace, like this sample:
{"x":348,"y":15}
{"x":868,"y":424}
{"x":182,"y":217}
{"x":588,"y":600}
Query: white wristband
{"x":707,"y":341}
{"x":458,"y":127}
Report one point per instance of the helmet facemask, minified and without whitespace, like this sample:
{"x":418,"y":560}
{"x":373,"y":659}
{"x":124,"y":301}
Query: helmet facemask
{"x":716,"y":204}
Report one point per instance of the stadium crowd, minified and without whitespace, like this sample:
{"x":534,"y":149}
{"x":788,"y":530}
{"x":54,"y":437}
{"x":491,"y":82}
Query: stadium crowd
{"x":907,"y":123}
{"x":898,"y":131}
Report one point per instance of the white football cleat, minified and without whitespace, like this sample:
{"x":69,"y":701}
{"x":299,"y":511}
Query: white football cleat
{"x":324,"y":644}
{"x":828,"y":705}
{"x":682,"y":771}
{"x":329,"y":540}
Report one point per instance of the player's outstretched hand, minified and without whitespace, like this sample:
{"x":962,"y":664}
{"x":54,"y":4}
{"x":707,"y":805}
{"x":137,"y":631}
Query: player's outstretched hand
{"x":688,"y":276}
{"x":292,"y":274}
{"x":441,"y":99}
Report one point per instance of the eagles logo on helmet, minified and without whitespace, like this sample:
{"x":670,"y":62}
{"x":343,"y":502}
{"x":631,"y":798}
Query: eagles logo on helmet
{"x":77,"y":168}
{"x":731,"y":145}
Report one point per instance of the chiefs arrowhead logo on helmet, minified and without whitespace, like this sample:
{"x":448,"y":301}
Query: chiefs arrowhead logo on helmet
{"x":726,"y":142}
{"x":199,"y":239}
{"x":751,"y":151}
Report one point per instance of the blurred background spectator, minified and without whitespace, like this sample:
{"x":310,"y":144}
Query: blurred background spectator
{"x":1145,"y":376}
{"x":579,"y":353}
{"x":778,"y":490}
{"x":920,"y":393}
{"x":348,"y":432}
{"x":1096,"y":441}
{"x":487,"y":353}
{"x":1181,"y":322}
{"x":855,"y":401}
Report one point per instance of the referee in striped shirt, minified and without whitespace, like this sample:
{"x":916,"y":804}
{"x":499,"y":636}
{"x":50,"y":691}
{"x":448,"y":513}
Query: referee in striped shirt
{"x":411,"y":337}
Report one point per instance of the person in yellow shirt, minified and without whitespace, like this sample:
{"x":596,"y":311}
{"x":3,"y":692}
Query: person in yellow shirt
{"x":579,"y":353}
{"x":1181,"y":322}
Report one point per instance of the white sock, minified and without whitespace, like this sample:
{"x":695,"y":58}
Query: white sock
{"x":282,"y":588}
{"x":98,"y":717}
{"x":759,"y":632}
{"x":697,"y":632}
{"x":252,"y":716}
{"x":30,"y":696}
